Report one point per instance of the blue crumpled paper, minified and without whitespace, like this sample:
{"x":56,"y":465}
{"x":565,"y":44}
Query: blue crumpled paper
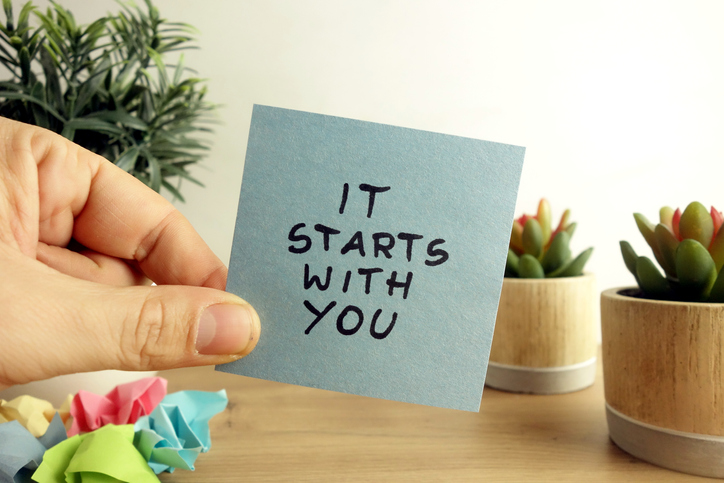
{"x":177,"y":431}
{"x":21,"y":453}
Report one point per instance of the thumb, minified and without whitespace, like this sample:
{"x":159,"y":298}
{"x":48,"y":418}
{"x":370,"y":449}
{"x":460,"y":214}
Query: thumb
{"x":53,"y":324}
{"x":175,"y":326}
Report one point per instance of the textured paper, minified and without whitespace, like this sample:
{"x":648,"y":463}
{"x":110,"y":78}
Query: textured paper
{"x":21,"y":452}
{"x":457,"y":194}
{"x":124,"y":404}
{"x":33,"y":413}
{"x":174,"y":434}
{"x":104,"y":456}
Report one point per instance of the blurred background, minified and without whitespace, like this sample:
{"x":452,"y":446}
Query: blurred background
{"x":620,"y":104}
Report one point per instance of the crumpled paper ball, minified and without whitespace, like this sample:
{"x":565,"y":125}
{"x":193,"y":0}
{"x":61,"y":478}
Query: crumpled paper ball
{"x":33,"y":413}
{"x":123,"y":405}
{"x":106,"y":455}
{"x":21,"y":453}
{"x":174,"y":434}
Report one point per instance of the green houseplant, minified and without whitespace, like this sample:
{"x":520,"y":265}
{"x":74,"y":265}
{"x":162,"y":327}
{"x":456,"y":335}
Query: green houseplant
{"x":544,"y":339}
{"x":107,"y":87}
{"x":662,"y":344}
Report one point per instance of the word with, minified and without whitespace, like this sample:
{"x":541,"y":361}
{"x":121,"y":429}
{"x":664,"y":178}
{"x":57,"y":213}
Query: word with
{"x":391,"y":282}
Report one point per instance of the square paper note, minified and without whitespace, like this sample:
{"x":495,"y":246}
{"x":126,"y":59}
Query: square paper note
{"x":374,"y":255}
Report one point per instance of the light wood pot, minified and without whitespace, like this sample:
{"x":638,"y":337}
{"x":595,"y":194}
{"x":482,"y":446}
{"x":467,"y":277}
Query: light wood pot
{"x":663,"y":379}
{"x":545,"y":336}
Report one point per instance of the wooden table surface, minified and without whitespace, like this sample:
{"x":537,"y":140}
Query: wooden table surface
{"x":279,"y":432}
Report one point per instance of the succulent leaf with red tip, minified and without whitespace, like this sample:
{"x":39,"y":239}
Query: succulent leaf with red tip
{"x":689,"y":247}
{"x":538,"y":251}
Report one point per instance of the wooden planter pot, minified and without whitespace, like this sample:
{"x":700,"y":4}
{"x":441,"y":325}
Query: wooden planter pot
{"x":545,"y":336}
{"x":663,"y":379}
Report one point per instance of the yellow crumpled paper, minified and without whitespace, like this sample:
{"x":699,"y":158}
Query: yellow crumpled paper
{"x":33,"y":413}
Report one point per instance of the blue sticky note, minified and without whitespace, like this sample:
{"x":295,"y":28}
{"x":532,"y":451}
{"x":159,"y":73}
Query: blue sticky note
{"x":21,"y":453}
{"x":374,"y":255}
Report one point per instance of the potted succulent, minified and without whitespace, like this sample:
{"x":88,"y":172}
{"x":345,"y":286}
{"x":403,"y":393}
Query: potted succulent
{"x":107,"y":87}
{"x":663,"y":345}
{"x":545,"y":331}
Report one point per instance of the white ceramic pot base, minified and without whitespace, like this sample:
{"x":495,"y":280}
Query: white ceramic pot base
{"x":696,"y":454}
{"x":541,"y":380}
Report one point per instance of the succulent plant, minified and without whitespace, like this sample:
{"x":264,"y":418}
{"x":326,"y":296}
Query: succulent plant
{"x":689,"y":247}
{"x":538,"y":251}
{"x":106,"y":86}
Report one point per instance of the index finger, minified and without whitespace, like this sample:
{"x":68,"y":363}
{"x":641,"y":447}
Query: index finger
{"x":124,"y":218}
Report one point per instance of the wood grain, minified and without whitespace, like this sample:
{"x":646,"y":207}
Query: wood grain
{"x":663,"y":362}
{"x":275,"y":432}
{"x":546,"y":322}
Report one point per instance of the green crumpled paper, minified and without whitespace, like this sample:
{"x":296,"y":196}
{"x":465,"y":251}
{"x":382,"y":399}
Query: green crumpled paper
{"x":106,"y":455}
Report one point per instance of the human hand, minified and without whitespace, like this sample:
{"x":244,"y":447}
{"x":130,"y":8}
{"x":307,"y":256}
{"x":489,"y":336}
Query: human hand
{"x":65,"y":311}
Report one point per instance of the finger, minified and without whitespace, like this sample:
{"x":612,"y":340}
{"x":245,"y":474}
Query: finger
{"x":57,"y":324}
{"x":83,"y":196}
{"x":91,"y":266}
{"x":125,"y":219}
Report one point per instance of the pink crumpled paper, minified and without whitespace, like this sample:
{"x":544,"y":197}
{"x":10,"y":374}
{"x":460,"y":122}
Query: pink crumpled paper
{"x":123,"y":405}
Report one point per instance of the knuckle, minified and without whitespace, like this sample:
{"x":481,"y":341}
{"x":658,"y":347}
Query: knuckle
{"x":150,"y":341}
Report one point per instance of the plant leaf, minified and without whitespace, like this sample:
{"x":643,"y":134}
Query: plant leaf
{"x":558,"y":252}
{"x":717,"y":249}
{"x":666,"y":216}
{"x":511,"y":264}
{"x":171,"y":169}
{"x":8,"y":7}
{"x":667,"y":243}
{"x":571,"y":229}
{"x":120,"y":117}
{"x":696,"y":270}
{"x":717,"y":290}
{"x":163,"y":75}
{"x":575,"y":267}
{"x":52,"y":82}
{"x":529,"y":267}
{"x":80,"y":123}
{"x":68,"y":132}
{"x":29,"y":98}
{"x":154,"y":168}
{"x":696,"y":223}
{"x":127,"y":160}
{"x":648,"y":230}
{"x":173,"y":190}
{"x":41,"y":117}
{"x":179,"y":70}
{"x":12,"y":86}
{"x":544,"y":219}
{"x":532,"y":238}
{"x":24,"y":15}
{"x":516,"y":236}
{"x":629,"y":257}
{"x":651,"y":281}
{"x":90,"y":86}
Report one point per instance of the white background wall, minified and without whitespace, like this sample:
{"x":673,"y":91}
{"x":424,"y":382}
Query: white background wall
{"x":620,"y":104}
